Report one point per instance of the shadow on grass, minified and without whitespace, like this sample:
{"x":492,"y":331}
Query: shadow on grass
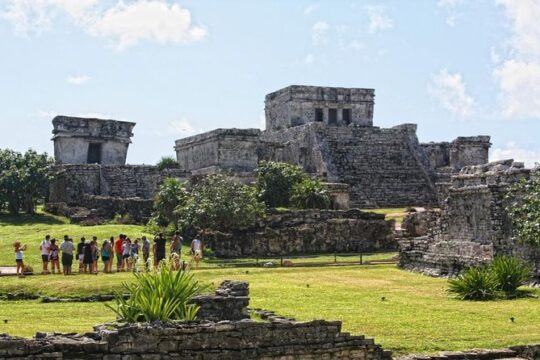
{"x":26,"y":219}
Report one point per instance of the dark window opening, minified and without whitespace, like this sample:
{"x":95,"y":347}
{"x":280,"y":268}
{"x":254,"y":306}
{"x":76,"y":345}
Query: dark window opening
{"x":332,"y":116}
{"x":94,"y":154}
{"x":347,"y":116}
{"x":318,"y":115}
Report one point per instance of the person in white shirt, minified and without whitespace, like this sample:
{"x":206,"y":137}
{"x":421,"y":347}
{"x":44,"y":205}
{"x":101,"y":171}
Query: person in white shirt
{"x":19,"y":256}
{"x":45,"y":248}
{"x":67,"y":249}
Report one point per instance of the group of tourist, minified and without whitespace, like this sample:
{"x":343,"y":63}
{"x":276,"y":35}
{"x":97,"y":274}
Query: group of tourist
{"x":126,"y":251}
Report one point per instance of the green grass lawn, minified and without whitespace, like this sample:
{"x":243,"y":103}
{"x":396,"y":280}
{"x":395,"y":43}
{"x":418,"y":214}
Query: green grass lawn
{"x":416,"y":316}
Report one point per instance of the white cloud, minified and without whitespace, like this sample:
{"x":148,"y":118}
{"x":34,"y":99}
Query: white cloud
{"x":319,"y":32}
{"x":451,"y":8}
{"x":519,"y":83}
{"x":450,"y":90}
{"x":378,"y":19}
{"x":309,"y":59}
{"x":518,"y":74}
{"x":182,"y":127}
{"x":512,"y":151}
{"x":126,"y":23}
{"x":310,"y":9}
{"x":147,"y":20}
{"x":78,"y":79}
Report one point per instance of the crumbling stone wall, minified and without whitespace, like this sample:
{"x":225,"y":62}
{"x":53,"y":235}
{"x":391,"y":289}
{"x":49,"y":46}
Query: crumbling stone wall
{"x":107,"y":189}
{"x":305,"y":231}
{"x":383,"y":167}
{"x":229,"y":335}
{"x":473,"y":226}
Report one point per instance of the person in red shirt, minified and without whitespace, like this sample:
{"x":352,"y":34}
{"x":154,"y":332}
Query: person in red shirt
{"x":118,"y":250}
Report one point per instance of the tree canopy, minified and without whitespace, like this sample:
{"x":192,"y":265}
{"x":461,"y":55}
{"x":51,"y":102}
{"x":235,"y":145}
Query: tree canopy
{"x":524,"y":209}
{"x":24,"y":179}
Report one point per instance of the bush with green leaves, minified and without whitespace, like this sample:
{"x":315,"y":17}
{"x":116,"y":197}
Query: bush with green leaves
{"x":275,"y":182}
{"x":310,"y":194}
{"x":476,"y":283}
{"x":510,"y":273}
{"x":501,"y":278}
{"x":24,"y":179}
{"x":167,"y":162}
{"x":171,"y":194}
{"x":161,"y":294}
{"x":523,"y":207}
{"x":219,"y":202}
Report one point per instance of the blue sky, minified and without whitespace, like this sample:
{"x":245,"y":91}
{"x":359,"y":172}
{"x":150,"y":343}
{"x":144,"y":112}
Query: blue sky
{"x":177,"y":68}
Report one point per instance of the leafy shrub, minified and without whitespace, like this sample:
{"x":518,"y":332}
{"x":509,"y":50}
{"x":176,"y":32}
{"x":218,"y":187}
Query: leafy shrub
{"x":523,"y":207}
{"x":510,"y":273}
{"x":218,"y":202}
{"x":161,"y":294}
{"x":122,"y":219}
{"x":477,"y":283}
{"x":24,"y":180}
{"x":172,"y":193}
{"x":275,"y":182}
{"x":310,"y":194}
{"x":167,"y":162}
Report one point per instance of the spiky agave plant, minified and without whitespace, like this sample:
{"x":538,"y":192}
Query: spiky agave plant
{"x":510,"y":273}
{"x":476,"y":283}
{"x":161,"y":294}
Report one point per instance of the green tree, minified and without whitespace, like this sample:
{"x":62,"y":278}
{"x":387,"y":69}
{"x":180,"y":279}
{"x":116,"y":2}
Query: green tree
{"x":310,"y":194}
{"x":167,"y":162}
{"x":523,"y":207}
{"x":24,"y":179}
{"x":172,"y":194}
{"x":275,"y":182}
{"x":218,"y":202}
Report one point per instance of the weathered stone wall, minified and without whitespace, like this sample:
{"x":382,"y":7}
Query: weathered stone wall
{"x":74,"y":182}
{"x":384,"y":167}
{"x":229,"y":335}
{"x":107,"y":190}
{"x":295,"y":105}
{"x":463,"y":151}
{"x":228,"y":149}
{"x":73,"y":136}
{"x":473,"y":226}
{"x":230,"y":302}
{"x":305,"y":231}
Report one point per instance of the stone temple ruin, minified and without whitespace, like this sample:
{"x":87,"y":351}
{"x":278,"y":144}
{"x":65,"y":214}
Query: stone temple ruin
{"x":329,"y":132}
{"x":472,"y":226}
{"x":91,"y":141}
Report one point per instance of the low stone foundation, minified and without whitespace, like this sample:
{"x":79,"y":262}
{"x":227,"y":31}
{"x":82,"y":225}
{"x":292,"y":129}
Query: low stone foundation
{"x":229,"y":335}
{"x":472,"y":228}
{"x":524,"y":352}
{"x":306,"y":231}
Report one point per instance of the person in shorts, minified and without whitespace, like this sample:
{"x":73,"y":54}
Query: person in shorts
{"x":126,"y":255}
{"x":45,"y":248}
{"x":67,"y":249}
{"x":118,"y":244}
{"x":19,"y":256}
{"x":106,"y":252}
{"x":54,"y":257}
{"x":88,"y":258}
